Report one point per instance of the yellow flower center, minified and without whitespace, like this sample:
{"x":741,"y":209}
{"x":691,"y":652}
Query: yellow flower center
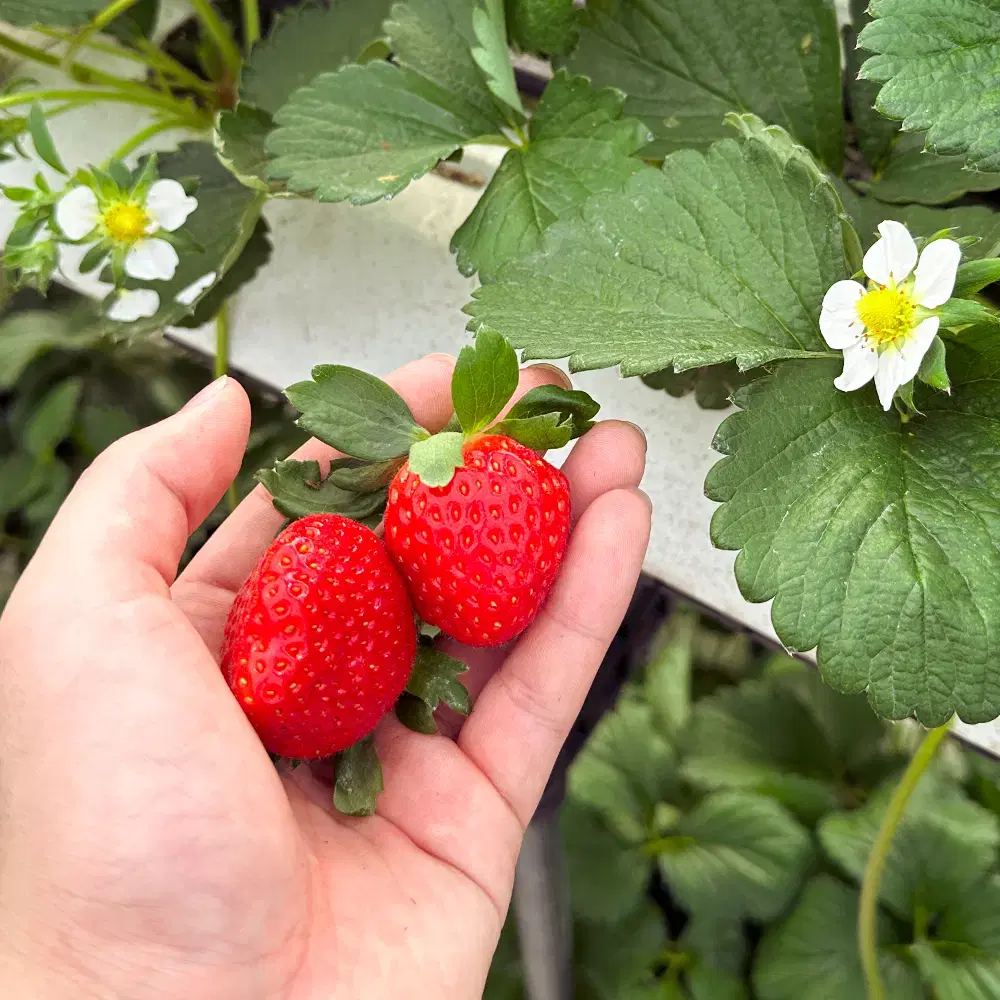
{"x":125,"y":221}
{"x":887,"y":313}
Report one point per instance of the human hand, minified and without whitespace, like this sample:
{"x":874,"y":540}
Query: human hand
{"x":148,"y":847}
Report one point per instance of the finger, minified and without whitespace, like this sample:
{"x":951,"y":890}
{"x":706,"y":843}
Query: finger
{"x":206,"y":588}
{"x":612,"y":455}
{"x":525,"y":711}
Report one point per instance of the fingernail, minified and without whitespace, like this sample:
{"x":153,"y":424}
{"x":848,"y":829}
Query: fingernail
{"x":210,"y":390}
{"x":555,"y":373}
{"x":639,"y":431}
{"x":645,"y":496}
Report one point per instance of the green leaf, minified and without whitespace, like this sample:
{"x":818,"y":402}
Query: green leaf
{"x":912,"y":174}
{"x":686,"y":63}
{"x":355,"y":412}
{"x":362,"y":477}
{"x":542,"y":433}
{"x":255,"y":254}
{"x":138,"y":22}
{"x":306,"y":41}
{"x":943,"y":846}
{"x":45,"y":146}
{"x":735,"y":853}
{"x":579,"y":145}
{"x":52,"y":419}
{"x":933,"y":369}
{"x":241,"y":142}
{"x":606,"y":288}
{"x":716,"y":942}
{"x":713,"y":387}
{"x":416,"y":714}
{"x":613,"y":958}
{"x":298,"y":489}
{"x":574,"y":406}
{"x":607,"y":878}
{"x":54,"y":13}
{"x":958,"y":977}
{"x":875,"y":133}
{"x":485,"y":378}
{"x":491,"y":55}
{"x":667,"y":685}
{"x":973,"y":918}
{"x":974,"y":275}
{"x":359,"y":779}
{"x":434,"y":680}
{"x":877,"y":541}
{"x":711,"y":984}
{"x":626,"y":769}
{"x":221,"y":225}
{"x":27,"y":335}
{"x":938,"y":63}
{"x":436,"y":458}
{"x":545,"y":26}
{"x":364,"y":133}
{"x":813,"y":953}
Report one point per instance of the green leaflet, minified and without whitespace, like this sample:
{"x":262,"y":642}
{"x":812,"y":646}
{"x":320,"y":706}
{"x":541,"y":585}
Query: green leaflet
{"x":686,"y":63}
{"x":484,"y":380}
{"x":940,"y":66}
{"x":761,"y":243}
{"x":491,"y":55}
{"x":958,"y":977}
{"x":878,"y":541}
{"x":240,"y":140}
{"x":359,"y":779}
{"x":27,"y":335}
{"x":547,"y":26}
{"x":65,"y":13}
{"x":52,"y":419}
{"x":813,"y":953}
{"x":578,"y":145}
{"x":713,"y":386}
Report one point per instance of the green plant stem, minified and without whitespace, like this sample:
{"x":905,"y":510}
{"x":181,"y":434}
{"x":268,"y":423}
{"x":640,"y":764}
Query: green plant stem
{"x":102,"y":18}
{"x":165,"y":125}
{"x":251,"y":23}
{"x":219,"y":32}
{"x":868,"y":909}
{"x":82,"y":97}
{"x":222,"y":368}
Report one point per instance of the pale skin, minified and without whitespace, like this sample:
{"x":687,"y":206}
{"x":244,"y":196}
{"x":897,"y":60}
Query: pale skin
{"x":148,"y":847}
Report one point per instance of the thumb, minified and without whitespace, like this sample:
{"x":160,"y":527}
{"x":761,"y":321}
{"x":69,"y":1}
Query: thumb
{"x":124,"y":526}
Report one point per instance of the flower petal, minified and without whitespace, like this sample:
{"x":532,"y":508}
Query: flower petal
{"x":838,"y":320}
{"x":860,"y":363}
{"x":168,"y":206}
{"x":890,"y":375}
{"x":77,"y":214}
{"x":132,"y":305}
{"x":917,"y":344}
{"x":891,"y":258}
{"x":934,"y":278}
{"x":151,"y":260}
{"x":187,"y":296}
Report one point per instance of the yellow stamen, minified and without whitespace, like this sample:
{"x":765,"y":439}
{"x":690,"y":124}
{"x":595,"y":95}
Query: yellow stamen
{"x":125,"y":221}
{"x":887,"y":313}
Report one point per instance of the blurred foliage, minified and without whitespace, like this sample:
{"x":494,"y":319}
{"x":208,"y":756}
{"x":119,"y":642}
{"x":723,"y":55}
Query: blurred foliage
{"x":67,"y":391}
{"x":716,"y":828}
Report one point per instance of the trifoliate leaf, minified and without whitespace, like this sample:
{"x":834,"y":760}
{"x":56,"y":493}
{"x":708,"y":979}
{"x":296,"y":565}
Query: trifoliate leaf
{"x":241,"y":141}
{"x":813,"y":953}
{"x":574,"y":406}
{"x":578,"y":145}
{"x":545,"y":26}
{"x":942,"y":847}
{"x":958,"y":976}
{"x":875,"y":133}
{"x":436,"y":458}
{"x":484,"y":380}
{"x":356,"y":413}
{"x":607,"y":878}
{"x":298,"y":489}
{"x":52,"y":418}
{"x":876,"y":541}
{"x":735,"y":853}
{"x":713,"y":386}
{"x":607,"y":287}
{"x":255,"y":254}
{"x":306,"y":41}
{"x":45,"y":145}
{"x":491,"y":55}
{"x":626,"y":769}
{"x":913,"y":174}
{"x":933,"y":369}
{"x":221,"y":225}
{"x":359,"y":779}
{"x":434,"y":680}
{"x":61,"y":13}
{"x":938,"y":64}
{"x":686,"y":63}
{"x":974,"y":275}
{"x":365,"y":132}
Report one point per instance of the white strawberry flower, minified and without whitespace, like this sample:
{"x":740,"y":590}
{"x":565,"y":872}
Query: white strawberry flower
{"x":188,"y":296}
{"x":133,"y":304}
{"x":886,"y":329}
{"x":126,"y":222}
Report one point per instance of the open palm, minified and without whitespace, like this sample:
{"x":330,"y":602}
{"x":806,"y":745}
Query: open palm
{"x":148,"y":847}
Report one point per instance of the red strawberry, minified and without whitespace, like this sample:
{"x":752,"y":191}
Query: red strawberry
{"x":320,"y":640}
{"x":480,"y":554}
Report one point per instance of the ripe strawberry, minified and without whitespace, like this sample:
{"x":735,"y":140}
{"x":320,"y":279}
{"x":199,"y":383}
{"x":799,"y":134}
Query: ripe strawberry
{"x":320,"y":640}
{"x":480,"y":554}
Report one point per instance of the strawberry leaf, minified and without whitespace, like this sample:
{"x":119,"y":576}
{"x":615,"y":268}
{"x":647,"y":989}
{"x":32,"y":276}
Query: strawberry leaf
{"x":573,"y":405}
{"x":435,"y":459}
{"x":61,"y":13}
{"x":485,"y":378}
{"x":356,"y":413}
{"x":491,"y":55}
{"x":45,"y":146}
{"x":362,"y":477}
{"x":974,"y":275}
{"x":542,"y":433}
{"x":547,"y":26}
{"x":432,"y":682}
{"x":359,"y":779}
{"x":298,"y":489}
